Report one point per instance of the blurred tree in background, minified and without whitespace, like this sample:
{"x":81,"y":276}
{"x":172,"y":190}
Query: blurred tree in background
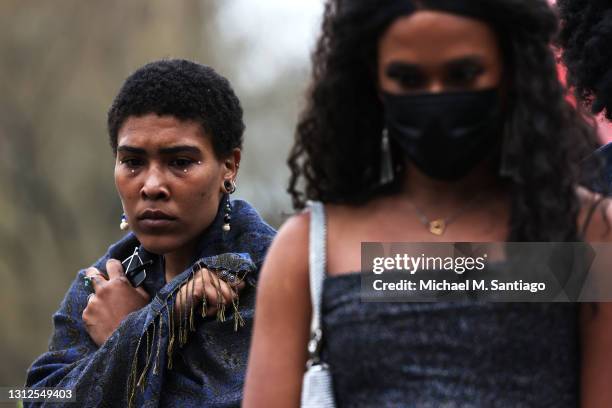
{"x":61,"y":63}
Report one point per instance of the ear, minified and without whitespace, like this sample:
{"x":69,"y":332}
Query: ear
{"x":231,"y":164}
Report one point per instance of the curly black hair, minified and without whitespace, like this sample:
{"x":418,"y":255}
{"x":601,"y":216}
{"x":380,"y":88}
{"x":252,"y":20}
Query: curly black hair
{"x":586,"y":39}
{"x":334,"y":158}
{"x":186,"y":90}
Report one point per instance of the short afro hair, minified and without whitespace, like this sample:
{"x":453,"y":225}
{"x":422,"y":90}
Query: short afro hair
{"x":186,"y":90}
{"x":586,"y":40}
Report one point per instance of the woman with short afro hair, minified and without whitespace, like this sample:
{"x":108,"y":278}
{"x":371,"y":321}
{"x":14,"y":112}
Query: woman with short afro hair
{"x":157,"y":320}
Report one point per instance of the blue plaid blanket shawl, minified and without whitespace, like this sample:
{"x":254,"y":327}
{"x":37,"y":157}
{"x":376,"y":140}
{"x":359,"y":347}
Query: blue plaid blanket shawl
{"x":156,"y":357}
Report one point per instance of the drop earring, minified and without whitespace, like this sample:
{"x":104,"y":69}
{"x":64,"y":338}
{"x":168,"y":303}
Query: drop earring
{"x":229,"y":186}
{"x":124,"y":224}
{"x":227,"y":214}
{"x":386,"y":161}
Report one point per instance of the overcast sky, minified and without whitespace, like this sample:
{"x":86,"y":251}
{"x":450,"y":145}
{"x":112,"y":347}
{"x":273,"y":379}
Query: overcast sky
{"x":283,"y":31}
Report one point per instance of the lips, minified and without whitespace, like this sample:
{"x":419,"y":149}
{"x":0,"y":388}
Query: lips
{"x":155,"y":219}
{"x":155,"y":215}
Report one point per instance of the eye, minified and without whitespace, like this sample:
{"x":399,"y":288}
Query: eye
{"x":407,"y":76}
{"x":181,"y":163}
{"x":464,"y":75}
{"x":131,"y":162}
{"x":411,"y":81}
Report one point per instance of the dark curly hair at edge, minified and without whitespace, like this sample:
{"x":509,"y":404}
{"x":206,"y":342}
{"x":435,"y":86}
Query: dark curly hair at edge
{"x":586,"y":39}
{"x":336,"y":156}
{"x":189,"y":92}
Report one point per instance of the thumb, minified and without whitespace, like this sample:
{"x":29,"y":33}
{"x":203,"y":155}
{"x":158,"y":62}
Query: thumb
{"x":114,"y":269}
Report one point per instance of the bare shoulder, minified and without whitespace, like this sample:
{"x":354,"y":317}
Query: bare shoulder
{"x":282,"y":314}
{"x":595,"y":215}
{"x":287,"y":259}
{"x":595,"y":318}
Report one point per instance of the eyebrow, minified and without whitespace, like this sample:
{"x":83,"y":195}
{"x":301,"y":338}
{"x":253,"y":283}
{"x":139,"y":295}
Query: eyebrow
{"x":396,"y":66}
{"x":130,"y":149}
{"x":469,"y":60}
{"x":163,"y":150}
{"x":179,"y":149}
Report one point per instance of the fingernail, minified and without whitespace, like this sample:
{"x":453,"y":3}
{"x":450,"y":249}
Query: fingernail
{"x":91,"y":272}
{"x":112,"y":261}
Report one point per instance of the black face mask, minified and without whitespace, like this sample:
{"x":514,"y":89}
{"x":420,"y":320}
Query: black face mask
{"x":448,"y":134}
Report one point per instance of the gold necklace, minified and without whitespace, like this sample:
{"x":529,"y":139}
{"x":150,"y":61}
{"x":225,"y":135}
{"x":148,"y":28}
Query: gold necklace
{"x":439,"y":225}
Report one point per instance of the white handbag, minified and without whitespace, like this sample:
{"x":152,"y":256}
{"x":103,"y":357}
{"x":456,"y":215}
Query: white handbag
{"x":317,"y":389}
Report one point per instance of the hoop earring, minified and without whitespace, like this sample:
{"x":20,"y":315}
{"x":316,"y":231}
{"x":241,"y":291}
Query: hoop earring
{"x":229,"y":186}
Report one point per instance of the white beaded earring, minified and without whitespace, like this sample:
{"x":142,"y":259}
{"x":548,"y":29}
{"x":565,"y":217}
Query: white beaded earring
{"x":124,"y":224}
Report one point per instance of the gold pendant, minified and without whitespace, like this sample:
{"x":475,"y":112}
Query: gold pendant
{"x":437,"y":227}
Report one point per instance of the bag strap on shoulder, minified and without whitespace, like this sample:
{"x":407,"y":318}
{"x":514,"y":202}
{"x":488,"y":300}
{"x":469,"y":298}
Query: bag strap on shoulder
{"x":317,"y":265}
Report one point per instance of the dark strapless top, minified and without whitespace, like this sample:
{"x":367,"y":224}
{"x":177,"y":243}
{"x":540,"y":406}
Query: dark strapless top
{"x":463,"y":354}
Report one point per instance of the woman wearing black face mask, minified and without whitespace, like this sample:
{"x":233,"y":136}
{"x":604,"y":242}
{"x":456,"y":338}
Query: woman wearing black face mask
{"x":431,"y":121}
